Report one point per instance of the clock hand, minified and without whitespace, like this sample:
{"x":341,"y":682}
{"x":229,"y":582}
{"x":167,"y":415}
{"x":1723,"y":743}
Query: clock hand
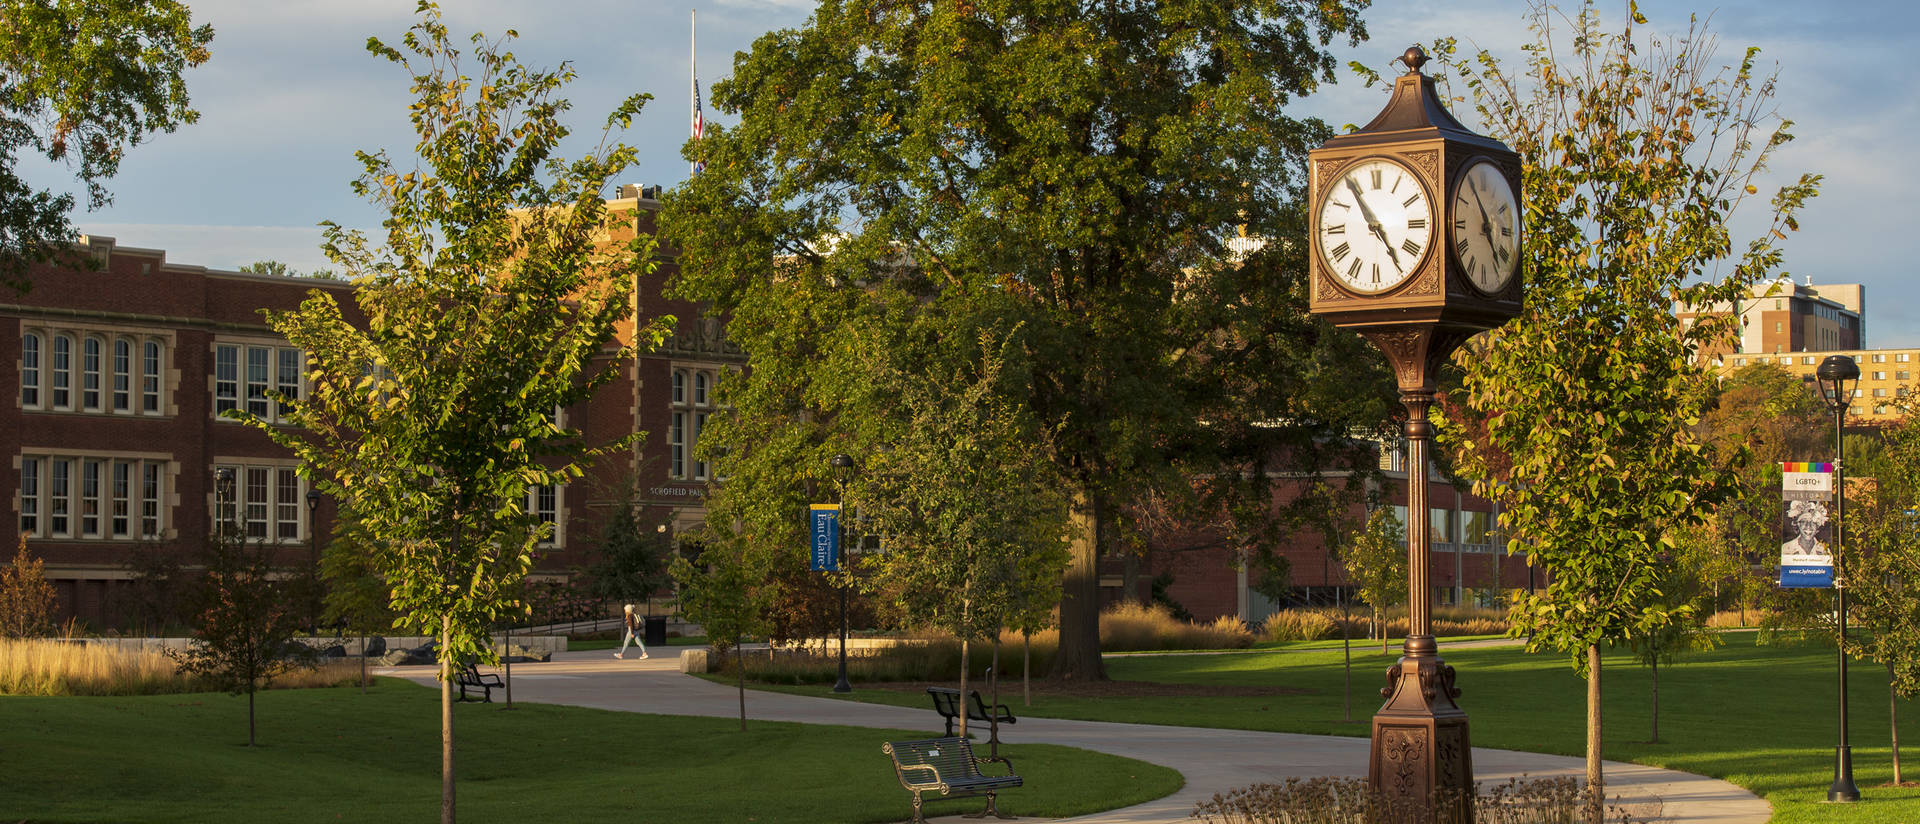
{"x":1486,"y":223}
{"x":1373,"y":224}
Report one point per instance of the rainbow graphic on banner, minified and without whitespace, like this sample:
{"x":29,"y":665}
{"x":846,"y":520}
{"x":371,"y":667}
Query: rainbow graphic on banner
{"x":1798,"y":466}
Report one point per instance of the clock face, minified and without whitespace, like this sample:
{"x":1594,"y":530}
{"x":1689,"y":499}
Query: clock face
{"x":1486,"y":227}
{"x":1375,"y":225}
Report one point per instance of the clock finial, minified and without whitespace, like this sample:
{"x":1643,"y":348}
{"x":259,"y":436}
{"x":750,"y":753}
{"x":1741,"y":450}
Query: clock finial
{"x":1414,"y":57}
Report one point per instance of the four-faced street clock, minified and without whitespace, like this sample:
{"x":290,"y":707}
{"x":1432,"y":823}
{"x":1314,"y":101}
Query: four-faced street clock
{"x":1416,"y":237}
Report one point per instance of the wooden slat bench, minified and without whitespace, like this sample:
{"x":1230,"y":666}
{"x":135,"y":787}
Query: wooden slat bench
{"x":947,"y":766}
{"x":946,"y":701}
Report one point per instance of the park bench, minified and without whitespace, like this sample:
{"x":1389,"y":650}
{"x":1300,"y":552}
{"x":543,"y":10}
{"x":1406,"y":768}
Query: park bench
{"x":946,"y":701}
{"x":471,"y":678}
{"x":947,"y":766}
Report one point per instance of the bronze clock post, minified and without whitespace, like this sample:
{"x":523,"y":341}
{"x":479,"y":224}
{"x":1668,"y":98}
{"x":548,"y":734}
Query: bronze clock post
{"x":1416,"y":239}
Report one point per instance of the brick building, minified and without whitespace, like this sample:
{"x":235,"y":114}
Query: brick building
{"x":1781,"y":316}
{"x":1468,"y":562}
{"x":121,"y":371}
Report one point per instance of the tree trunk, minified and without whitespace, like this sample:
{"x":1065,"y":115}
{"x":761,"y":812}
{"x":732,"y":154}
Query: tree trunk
{"x":1383,"y":631}
{"x":250,"y":725}
{"x":446,"y":720}
{"x":740,"y":678}
{"x":1026,"y":668}
{"x":1078,"y":658}
{"x":1596,"y":784}
{"x":506,"y":663}
{"x":1346,"y":657}
{"x":1655,"y":739}
{"x":363,"y":664}
{"x":1893,"y":715}
{"x":964,"y":664}
{"x":993,"y":690}
{"x":1130,"y":579}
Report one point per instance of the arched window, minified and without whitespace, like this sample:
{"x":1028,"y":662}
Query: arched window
{"x":30,"y":370}
{"x":62,"y":372}
{"x":150,"y":378}
{"x":122,"y":375}
{"x":90,"y":374}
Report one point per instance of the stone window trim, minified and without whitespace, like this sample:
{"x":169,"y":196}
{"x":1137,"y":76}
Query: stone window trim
{"x":132,"y":497}
{"x":96,"y":369}
{"x":245,"y":370}
{"x":269,"y":500}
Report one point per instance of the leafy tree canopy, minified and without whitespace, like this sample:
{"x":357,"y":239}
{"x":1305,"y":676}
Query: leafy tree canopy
{"x":81,"y":81}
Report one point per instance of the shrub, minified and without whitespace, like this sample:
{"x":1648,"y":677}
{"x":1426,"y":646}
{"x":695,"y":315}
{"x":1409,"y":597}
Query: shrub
{"x":26,"y":598}
{"x":1352,"y":801}
{"x":74,"y":667}
{"x":1302,"y":625}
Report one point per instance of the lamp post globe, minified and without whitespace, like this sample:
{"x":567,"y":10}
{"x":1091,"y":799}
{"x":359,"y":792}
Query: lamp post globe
{"x":1837,"y":376}
{"x":843,"y":466}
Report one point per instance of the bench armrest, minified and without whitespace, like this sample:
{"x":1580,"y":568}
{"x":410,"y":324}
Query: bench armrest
{"x":1000,"y":760}
{"x":927,"y":767}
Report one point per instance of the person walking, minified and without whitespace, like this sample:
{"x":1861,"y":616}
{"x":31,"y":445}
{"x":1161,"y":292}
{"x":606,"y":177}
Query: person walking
{"x":633,"y":635}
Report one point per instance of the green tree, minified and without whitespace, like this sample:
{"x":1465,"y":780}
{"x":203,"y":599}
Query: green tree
{"x":913,"y":174}
{"x":1881,"y":554}
{"x":727,"y":597}
{"x":968,"y":500}
{"x":1376,"y":561}
{"x":631,"y":559}
{"x":81,"y":81}
{"x":1635,"y":151}
{"x":356,"y":596}
{"x":244,"y":623}
{"x":491,"y":303}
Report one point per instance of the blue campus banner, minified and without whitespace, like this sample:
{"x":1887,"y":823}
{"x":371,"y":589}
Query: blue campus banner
{"x":823,"y":525}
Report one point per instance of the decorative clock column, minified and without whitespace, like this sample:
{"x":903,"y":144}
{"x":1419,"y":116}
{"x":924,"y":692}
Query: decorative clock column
{"x":1416,"y":246}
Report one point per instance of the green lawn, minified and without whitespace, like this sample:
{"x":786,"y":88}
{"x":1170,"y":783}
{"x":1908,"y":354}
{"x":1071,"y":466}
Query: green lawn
{"x":1761,"y":717}
{"x":335,"y":755}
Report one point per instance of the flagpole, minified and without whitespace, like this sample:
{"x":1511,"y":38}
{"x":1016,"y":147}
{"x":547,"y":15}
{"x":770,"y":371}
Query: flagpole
{"x":693,"y":71}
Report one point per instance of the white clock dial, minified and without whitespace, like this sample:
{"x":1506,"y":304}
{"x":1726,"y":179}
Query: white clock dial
{"x":1486,"y":227}
{"x":1375,"y":225}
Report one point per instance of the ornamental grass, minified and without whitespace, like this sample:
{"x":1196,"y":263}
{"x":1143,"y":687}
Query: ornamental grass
{"x":75,"y":667}
{"x":1353,"y":801}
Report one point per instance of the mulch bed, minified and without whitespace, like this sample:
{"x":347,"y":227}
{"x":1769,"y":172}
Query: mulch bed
{"x":1096,"y":689}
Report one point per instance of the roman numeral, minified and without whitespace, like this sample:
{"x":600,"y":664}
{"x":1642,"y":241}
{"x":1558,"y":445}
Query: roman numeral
{"x":1411,"y":199}
{"x":1336,"y":228}
{"x":1353,"y":271}
{"x":1460,"y":224}
{"x":1376,"y":178}
{"x":1376,"y":273}
{"x":1339,"y":253}
{"x":1342,"y":205}
{"x":1417,"y":223}
{"x":1411,"y":247}
{"x":1502,"y":210}
{"x":1506,"y":231}
{"x":1473,"y":266}
{"x":1500,"y":256}
{"x":1397,"y":179}
{"x":1460,"y":248}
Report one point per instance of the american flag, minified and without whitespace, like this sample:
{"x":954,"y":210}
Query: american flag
{"x":699,"y":123}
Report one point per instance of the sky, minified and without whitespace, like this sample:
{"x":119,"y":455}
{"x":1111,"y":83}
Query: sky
{"x":291,"y":93}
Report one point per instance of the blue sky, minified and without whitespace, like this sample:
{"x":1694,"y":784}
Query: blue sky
{"x":291,"y":93}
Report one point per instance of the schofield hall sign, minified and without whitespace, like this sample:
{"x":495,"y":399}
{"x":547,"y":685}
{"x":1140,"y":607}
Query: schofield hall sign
{"x":1806,"y":559}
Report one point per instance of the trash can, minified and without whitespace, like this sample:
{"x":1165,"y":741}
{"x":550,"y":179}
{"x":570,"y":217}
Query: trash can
{"x":656,"y":631}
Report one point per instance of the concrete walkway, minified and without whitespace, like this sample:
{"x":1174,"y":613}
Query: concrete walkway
{"x":1213,"y":760}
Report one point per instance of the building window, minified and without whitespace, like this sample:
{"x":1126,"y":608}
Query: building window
{"x":543,"y":503}
{"x":1879,"y":358}
{"x":30,"y":370}
{"x":62,"y":372}
{"x":267,"y":504}
{"x":100,"y":499}
{"x":1879,"y":410}
{"x":29,"y":496}
{"x":122,"y":375}
{"x":1879,"y":393}
{"x":1739,"y":361}
{"x":90,"y":374}
{"x":692,"y":401}
{"x":1900,"y":357}
{"x":90,"y":498}
{"x":150,"y":378}
{"x":1899,"y":376}
{"x":261,"y":370}
{"x":226,"y":378}
{"x":1879,"y":376}
{"x":1807,"y":361}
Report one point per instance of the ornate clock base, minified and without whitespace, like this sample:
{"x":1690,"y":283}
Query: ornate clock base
{"x":1421,"y":752}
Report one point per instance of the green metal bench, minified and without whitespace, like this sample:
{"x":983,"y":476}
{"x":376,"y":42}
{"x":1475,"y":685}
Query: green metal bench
{"x":471,"y":678}
{"x":947,"y":766}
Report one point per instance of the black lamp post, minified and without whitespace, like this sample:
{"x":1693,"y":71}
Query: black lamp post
{"x":842,"y":464}
{"x":1837,"y":376}
{"x":222,"y":498}
{"x":313,"y":561}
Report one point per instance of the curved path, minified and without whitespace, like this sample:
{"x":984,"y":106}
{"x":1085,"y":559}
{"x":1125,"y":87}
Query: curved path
{"x":1212,"y":760}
